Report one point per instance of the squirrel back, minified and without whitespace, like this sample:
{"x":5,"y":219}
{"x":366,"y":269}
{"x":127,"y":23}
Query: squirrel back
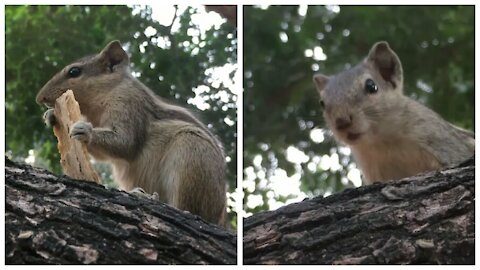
{"x":150,"y":143}
{"x":391,"y":136}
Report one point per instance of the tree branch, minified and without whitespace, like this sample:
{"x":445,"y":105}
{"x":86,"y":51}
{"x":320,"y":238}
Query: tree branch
{"x":57,"y":220}
{"x":425,"y":219}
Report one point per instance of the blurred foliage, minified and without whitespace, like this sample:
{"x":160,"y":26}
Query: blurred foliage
{"x":285,"y":45}
{"x":40,"y":40}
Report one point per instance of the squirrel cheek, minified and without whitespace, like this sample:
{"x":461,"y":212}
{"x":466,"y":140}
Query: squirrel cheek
{"x":362,"y":125}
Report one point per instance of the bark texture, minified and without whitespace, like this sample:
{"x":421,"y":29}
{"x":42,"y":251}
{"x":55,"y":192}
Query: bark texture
{"x":425,"y":219}
{"x":57,"y":220}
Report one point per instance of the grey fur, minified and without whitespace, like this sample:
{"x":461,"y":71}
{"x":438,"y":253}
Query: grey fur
{"x":151,"y":144}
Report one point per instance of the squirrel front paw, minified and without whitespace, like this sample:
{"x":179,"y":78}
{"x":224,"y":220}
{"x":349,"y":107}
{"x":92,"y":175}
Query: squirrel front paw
{"x":82,"y":131}
{"x":49,"y":118}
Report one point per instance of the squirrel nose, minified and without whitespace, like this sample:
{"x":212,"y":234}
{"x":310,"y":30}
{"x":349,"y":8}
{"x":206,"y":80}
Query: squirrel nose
{"x":41,"y":99}
{"x":342,"y":123}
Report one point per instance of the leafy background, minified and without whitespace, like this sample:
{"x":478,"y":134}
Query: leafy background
{"x":285,"y":45}
{"x":172,"y":59}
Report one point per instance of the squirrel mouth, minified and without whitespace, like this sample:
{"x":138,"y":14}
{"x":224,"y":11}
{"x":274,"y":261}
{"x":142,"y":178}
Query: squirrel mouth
{"x":353,"y":136}
{"x":49,"y":105}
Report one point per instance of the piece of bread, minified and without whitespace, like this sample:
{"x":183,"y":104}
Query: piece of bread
{"x":74,"y":157}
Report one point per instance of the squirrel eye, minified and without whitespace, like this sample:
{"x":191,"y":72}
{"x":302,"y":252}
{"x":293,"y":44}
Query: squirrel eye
{"x":370,"y":86}
{"x":74,"y":72}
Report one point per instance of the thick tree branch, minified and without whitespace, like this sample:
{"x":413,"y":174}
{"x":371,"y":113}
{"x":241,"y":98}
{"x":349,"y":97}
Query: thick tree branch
{"x":426,"y":219}
{"x":57,"y":220}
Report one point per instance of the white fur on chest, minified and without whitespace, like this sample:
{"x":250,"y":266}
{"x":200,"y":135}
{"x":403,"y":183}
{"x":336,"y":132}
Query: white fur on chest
{"x":393,"y":159}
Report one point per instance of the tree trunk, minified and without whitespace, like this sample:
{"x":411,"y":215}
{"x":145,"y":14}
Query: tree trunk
{"x":57,"y":220}
{"x":425,"y":219}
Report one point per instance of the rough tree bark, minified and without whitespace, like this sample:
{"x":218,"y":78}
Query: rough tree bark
{"x":57,"y":220}
{"x":426,"y":219}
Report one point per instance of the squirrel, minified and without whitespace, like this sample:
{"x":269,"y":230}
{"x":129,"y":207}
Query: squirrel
{"x":151,"y":144}
{"x":390,"y":135}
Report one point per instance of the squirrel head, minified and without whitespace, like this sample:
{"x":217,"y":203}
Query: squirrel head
{"x":355,"y":100}
{"x":88,"y":77}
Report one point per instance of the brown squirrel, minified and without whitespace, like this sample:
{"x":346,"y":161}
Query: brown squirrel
{"x":391,"y":136}
{"x":150,"y":144}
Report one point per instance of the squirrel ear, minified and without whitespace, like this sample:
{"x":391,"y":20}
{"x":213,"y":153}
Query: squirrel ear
{"x":387,"y":63}
{"x":114,"y":54}
{"x":320,"y":81}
